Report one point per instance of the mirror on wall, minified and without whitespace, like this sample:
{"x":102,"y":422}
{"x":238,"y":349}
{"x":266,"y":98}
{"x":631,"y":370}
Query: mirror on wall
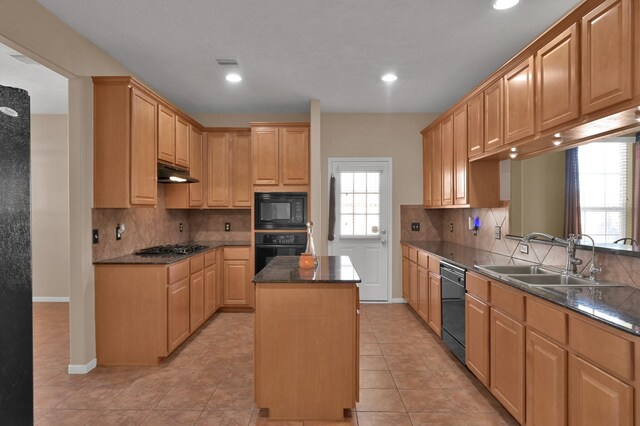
{"x":599,"y":185}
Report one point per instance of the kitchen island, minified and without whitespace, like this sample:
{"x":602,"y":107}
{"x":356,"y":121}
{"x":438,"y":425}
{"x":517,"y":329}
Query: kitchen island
{"x":307,"y":329}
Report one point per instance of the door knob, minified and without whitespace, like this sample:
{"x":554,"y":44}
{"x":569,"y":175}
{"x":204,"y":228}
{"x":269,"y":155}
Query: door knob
{"x":384,"y":242}
{"x":383,"y":232}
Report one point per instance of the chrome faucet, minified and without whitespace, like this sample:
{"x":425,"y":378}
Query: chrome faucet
{"x":593,"y":270}
{"x":570,"y":243}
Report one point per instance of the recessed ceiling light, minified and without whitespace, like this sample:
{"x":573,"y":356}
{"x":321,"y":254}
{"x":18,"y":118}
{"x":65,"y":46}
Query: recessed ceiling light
{"x":233,"y":78}
{"x":389,"y":78}
{"x":504,"y":4}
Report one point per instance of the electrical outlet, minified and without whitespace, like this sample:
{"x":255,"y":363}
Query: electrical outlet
{"x":450,"y":226}
{"x":524,"y":248}
{"x":96,"y":236}
{"x":415,"y":226}
{"x":227,"y":227}
{"x":181,"y":227}
{"x":498,"y":232}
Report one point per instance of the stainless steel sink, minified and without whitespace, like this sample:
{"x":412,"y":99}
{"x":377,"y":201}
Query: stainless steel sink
{"x":515,"y":269}
{"x":558,"y":280}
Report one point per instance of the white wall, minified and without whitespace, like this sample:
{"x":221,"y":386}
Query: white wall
{"x":50,"y":205}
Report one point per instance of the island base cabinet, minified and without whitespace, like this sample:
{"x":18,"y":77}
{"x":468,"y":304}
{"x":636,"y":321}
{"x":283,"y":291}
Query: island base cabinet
{"x":306,"y":352}
{"x":596,"y":398}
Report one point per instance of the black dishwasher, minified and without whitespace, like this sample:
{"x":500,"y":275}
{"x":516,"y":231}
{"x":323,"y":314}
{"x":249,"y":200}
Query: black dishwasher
{"x":453,"y":318}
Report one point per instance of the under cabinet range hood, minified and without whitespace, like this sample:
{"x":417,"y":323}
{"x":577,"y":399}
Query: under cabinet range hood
{"x":172,"y":174}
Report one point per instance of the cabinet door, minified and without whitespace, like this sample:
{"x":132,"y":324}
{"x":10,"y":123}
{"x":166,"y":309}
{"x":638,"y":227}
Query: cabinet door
{"x":436,"y":167}
{"x":413,"y":285}
{"x":475,"y":118}
{"x":236,"y":282}
{"x":182,"y":142}
{"x":435,"y":303}
{"x":606,"y":55}
{"x":447,"y":161}
{"x":596,"y":398}
{"x":241,"y":179}
{"x":427,"y":139}
{"x":405,"y":279}
{"x":519,"y":102}
{"x":546,"y":382}
{"x":210,"y":290}
{"x":477,"y":338}
{"x":195,"y":167}
{"x":166,"y":135}
{"x":178,"y":314}
{"x":460,"y":161}
{"x":196,"y":306}
{"x":492,"y":125}
{"x":264,"y":155}
{"x":218,"y":153}
{"x":557,"y":80}
{"x":423,"y":293}
{"x":294,"y":155}
{"x":507,"y":363}
{"x":144,"y":167}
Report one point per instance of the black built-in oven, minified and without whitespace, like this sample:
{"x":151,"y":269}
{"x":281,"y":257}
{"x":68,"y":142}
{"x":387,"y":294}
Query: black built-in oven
{"x":280,"y":210}
{"x":270,"y":245}
{"x":453,"y":316}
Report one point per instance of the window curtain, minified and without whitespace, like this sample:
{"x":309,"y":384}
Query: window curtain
{"x":572,"y":217}
{"x":636,"y":188}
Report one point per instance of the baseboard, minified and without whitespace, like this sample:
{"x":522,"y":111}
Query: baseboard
{"x":83,"y":369}
{"x":398,"y":300}
{"x":50,"y":299}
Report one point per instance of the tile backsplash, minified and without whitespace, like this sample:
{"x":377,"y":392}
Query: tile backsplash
{"x":615,"y":268}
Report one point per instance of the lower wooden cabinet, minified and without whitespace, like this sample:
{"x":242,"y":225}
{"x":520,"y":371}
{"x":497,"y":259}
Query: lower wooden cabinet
{"x":597,"y":398}
{"x":423,"y":293}
{"x":238,"y":288}
{"x":210,"y":290}
{"x":196,"y":306}
{"x":546,"y":382}
{"x":507,"y":363}
{"x":178,"y":313}
{"x":413,"y":285}
{"x":435,"y":303}
{"x":405,"y":279}
{"x":477,"y":338}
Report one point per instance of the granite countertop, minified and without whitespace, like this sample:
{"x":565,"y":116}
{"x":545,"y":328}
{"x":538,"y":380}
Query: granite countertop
{"x":156,"y":259}
{"x":618,"y":307}
{"x":330,"y":269}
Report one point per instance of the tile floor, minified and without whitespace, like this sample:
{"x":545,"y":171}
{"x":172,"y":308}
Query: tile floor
{"x":407,"y":378}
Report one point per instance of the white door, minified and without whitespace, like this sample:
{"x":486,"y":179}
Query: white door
{"x":362,"y":194}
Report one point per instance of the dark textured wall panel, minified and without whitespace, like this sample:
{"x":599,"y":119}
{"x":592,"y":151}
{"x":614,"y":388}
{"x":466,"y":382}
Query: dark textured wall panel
{"x":16,"y":334}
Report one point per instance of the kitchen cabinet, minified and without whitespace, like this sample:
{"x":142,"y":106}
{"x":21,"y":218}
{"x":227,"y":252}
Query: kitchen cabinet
{"x":405,"y":278}
{"x":436,"y":167}
{"x":182,"y":142}
{"x":196,"y":293}
{"x":413,"y":285}
{"x":493,"y":116}
{"x":597,"y":398}
{"x":238,"y":290}
{"x":211,"y":283}
{"x":280,"y":154}
{"x":166,"y":134}
{"x":475,"y":125}
{"x":178,"y":306}
{"x":185,"y":196}
{"x":519,"y":102}
{"x":460,"y":162}
{"x":427,"y":165}
{"x":218,"y":169}
{"x":447,"y":160}
{"x":241,"y":170}
{"x":423,"y":293}
{"x":546,"y":381}
{"x":435,"y":303}
{"x":477,"y":345}
{"x":124,"y":148}
{"x":557,"y":84}
{"x":607,"y":42}
{"x":508,"y":363}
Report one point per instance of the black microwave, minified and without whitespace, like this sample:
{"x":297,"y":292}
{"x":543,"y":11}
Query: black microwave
{"x":280,"y":210}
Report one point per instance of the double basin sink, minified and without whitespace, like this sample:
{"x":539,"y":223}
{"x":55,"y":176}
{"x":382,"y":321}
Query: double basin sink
{"x":540,"y":276}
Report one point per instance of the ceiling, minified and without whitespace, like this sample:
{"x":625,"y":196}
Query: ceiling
{"x":47,"y":89}
{"x":291,"y":51}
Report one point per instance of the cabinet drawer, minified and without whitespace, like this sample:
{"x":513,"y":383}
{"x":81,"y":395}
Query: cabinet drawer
{"x":236,"y":253}
{"x":210,"y":258}
{"x":405,"y":251}
{"x":601,"y":346}
{"x":434,"y":265}
{"x":423,"y":259}
{"x":478,"y":286}
{"x":507,"y":301}
{"x":413,"y":255}
{"x":179,"y":271}
{"x":196,"y":263}
{"x":548,"y":320}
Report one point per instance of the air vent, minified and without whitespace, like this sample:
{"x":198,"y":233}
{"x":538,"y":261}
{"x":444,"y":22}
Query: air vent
{"x":227,"y":62}
{"x":24,"y":59}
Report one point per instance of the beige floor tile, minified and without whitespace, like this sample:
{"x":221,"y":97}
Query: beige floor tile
{"x":424,"y":400}
{"x":119,"y":417}
{"x":455,"y":380}
{"x":185,"y":397}
{"x":373,"y":363}
{"x":368,"y":338}
{"x":67,"y":417}
{"x":380,"y":400}
{"x":224,"y":418}
{"x":232,"y":399}
{"x":90,"y":399}
{"x":383,"y":419}
{"x":370,"y":349}
{"x":472,"y":401}
{"x":173,"y":418}
{"x":371,"y":379}
{"x":405,"y":362}
{"x":488,"y":419}
{"x":411,"y":379}
{"x":45,"y":397}
{"x":437,"y":418}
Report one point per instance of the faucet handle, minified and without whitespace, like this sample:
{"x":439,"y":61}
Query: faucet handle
{"x":593,"y":271}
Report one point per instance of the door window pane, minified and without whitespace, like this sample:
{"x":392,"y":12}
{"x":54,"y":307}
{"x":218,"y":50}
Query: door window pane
{"x":359,"y":204}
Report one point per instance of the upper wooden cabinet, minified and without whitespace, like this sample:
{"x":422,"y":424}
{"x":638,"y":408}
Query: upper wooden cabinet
{"x":166,"y":134}
{"x":280,"y":154}
{"x":460,"y":162}
{"x":436,"y":167}
{"x":427,"y":164}
{"x":519,"y":102}
{"x":557,"y":83}
{"x":447,"y":161}
{"x":493,"y":116}
{"x":241,"y":172}
{"x":196,"y":160}
{"x":125,"y":141}
{"x":228,"y":166}
{"x":607,"y":43}
{"x":182,"y":142}
{"x":475,"y":125}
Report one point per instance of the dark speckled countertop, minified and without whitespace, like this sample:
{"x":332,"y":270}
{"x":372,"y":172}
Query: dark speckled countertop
{"x":618,"y":307}
{"x":330,"y":269}
{"x":155,"y":259}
